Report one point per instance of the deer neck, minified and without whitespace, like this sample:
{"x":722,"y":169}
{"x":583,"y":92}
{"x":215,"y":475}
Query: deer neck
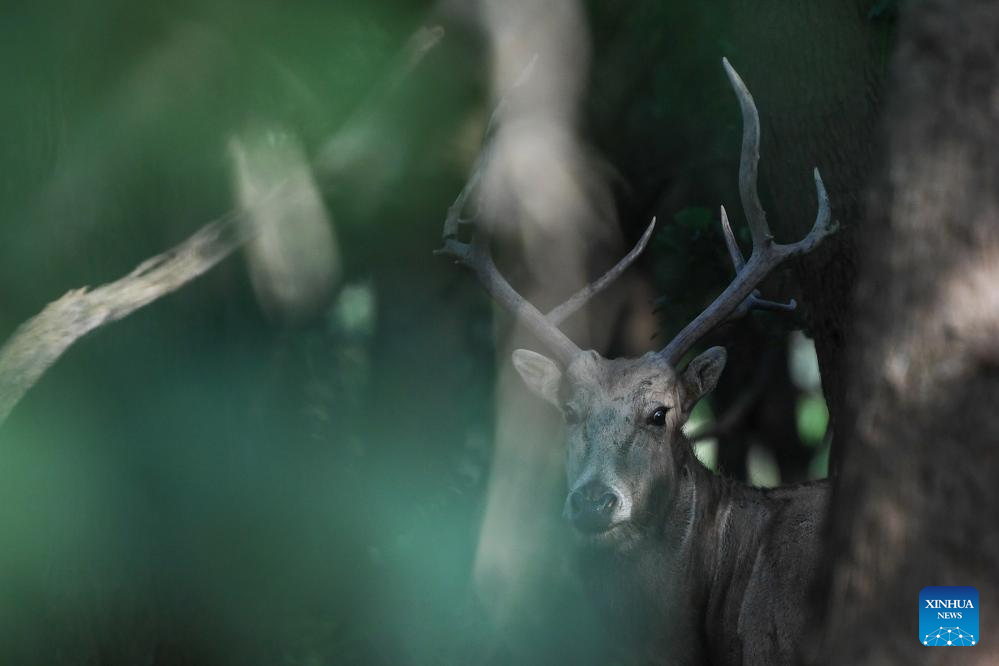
{"x":736,"y":530}
{"x":713,"y":532}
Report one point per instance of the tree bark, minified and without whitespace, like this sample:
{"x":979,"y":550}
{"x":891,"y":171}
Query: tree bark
{"x":918,"y":495}
{"x":815,"y":71}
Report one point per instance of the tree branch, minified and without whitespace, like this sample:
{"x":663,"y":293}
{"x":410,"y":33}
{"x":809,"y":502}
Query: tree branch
{"x":40,"y":341}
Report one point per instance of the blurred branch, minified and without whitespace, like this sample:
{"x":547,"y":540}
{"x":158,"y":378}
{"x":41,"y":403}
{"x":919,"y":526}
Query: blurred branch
{"x":40,"y":341}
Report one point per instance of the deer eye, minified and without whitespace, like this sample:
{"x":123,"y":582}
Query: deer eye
{"x":570,"y":414}
{"x":658,"y":416}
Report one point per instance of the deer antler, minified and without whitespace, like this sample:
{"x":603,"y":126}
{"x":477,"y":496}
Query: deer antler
{"x":740,"y":296}
{"x":476,"y":254}
{"x":755,"y":300}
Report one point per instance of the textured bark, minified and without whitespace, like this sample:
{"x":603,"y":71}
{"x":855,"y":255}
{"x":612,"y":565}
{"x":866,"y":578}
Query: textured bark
{"x":918,"y":493}
{"x":815,"y":71}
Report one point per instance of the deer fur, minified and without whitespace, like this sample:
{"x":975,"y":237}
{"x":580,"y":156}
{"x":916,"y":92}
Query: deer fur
{"x":695,"y":568}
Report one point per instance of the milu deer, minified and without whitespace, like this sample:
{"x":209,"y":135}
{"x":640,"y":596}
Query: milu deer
{"x":690,"y":567}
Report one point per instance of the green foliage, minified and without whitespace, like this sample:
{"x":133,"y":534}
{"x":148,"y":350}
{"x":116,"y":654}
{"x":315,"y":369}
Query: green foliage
{"x":706,"y":450}
{"x":762,"y":468}
{"x":818,"y":468}
{"x":812,"y":419}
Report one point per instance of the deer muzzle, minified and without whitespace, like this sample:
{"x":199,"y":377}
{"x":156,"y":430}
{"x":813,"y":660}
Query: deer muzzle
{"x":593,"y":507}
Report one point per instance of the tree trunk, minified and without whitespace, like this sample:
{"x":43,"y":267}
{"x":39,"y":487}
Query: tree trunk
{"x":918,"y":493}
{"x":815,"y":71}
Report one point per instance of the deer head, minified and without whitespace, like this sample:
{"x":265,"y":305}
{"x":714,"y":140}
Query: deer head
{"x":624,"y":417}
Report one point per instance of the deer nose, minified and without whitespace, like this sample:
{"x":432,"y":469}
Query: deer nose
{"x":591,"y":507}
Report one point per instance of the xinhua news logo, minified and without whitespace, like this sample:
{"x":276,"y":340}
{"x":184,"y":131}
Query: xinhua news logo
{"x":948,"y":616}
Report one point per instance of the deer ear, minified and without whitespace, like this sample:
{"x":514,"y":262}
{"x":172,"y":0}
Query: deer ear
{"x":540,"y":373}
{"x":702,"y":374}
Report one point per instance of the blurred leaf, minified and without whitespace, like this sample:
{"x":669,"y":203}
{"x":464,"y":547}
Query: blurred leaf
{"x":813,"y":418}
{"x":818,"y":468}
{"x":761,"y":468}
{"x":804,"y":364}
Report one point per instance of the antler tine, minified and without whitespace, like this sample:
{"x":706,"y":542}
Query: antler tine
{"x":754,"y":301}
{"x":748,"y":163}
{"x":562,"y":312}
{"x":477,"y":255}
{"x":741,"y":294}
{"x":738,"y":261}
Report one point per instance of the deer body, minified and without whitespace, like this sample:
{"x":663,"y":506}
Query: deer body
{"x":766,"y":559}
{"x":691,"y":568}
{"x":734,"y":592}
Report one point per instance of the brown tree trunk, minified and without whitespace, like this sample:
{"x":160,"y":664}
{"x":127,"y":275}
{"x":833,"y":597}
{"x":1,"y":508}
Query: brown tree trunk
{"x":919,"y":491}
{"x":815,"y":71}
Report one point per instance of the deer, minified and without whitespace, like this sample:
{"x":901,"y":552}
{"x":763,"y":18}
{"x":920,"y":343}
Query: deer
{"x":690,"y":567}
